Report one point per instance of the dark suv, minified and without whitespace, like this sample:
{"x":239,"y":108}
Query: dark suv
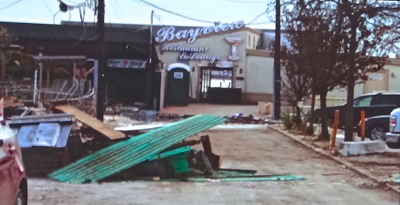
{"x":13,"y":183}
{"x":373,"y":104}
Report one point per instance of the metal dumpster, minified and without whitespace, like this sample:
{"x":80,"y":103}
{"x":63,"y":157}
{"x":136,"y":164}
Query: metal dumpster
{"x":43,"y":140}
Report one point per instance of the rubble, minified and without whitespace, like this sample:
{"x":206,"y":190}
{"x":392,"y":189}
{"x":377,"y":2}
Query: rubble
{"x":110,"y":149}
{"x":125,"y":154}
{"x":245,"y":119}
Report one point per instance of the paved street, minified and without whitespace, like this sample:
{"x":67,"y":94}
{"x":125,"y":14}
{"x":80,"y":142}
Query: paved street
{"x":257,"y":148}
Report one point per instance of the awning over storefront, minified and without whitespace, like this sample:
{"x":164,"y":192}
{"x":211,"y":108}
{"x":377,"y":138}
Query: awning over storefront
{"x":178,"y":65}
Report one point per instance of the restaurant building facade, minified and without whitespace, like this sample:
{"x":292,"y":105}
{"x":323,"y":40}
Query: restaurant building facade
{"x":223,"y":63}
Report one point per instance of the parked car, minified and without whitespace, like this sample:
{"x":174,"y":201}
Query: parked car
{"x":375,"y":127}
{"x":13,"y":182}
{"x":393,"y":136}
{"x":373,"y":104}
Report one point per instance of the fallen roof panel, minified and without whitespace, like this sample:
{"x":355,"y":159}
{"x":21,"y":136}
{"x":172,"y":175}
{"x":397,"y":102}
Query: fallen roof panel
{"x":126,"y":154}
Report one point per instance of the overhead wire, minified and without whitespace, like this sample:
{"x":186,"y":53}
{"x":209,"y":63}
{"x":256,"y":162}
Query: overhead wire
{"x":158,"y":17}
{"x":54,"y":17}
{"x":11,"y":4}
{"x":120,"y":14}
{"x":257,"y":17}
{"x":200,"y":20}
{"x":245,"y":1}
{"x":49,"y":10}
{"x":174,"y":13}
{"x":263,"y":22}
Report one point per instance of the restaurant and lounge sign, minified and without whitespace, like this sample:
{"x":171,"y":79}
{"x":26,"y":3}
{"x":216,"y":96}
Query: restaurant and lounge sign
{"x":190,"y":52}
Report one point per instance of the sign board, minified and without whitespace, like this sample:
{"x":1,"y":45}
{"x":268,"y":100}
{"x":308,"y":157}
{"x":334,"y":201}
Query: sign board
{"x":376,"y":76}
{"x":190,"y":52}
{"x":178,"y":75}
{"x":171,"y":33}
{"x":126,"y":63}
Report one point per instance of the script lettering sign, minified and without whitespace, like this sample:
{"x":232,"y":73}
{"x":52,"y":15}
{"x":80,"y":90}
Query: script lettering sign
{"x":170,"y":33}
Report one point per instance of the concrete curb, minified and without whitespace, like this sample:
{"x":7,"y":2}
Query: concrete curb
{"x":351,"y":166}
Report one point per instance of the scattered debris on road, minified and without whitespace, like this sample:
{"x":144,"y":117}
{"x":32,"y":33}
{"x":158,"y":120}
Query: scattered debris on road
{"x":245,"y":119}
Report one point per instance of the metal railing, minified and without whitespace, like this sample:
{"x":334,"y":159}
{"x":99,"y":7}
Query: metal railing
{"x":70,"y":90}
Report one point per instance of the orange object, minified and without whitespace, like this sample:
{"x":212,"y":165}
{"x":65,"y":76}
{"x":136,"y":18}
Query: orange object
{"x":335,"y":127}
{"x":362,"y":125}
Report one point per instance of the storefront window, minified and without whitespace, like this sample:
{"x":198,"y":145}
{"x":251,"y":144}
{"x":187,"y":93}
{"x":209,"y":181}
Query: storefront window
{"x":221,"y":78}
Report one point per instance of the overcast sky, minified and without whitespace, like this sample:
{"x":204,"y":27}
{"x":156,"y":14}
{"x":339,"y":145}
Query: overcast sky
{"x":204,"y":12}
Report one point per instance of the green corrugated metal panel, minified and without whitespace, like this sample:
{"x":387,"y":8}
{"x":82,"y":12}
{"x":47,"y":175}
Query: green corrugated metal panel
{"x":123,"y":155}
{"x":170,"y":153}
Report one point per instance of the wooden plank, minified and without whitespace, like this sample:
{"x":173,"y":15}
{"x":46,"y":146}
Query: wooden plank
{"x":92,"y":122}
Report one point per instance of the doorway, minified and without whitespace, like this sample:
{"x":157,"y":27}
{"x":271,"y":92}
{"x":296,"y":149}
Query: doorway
{"x":214,"y":77}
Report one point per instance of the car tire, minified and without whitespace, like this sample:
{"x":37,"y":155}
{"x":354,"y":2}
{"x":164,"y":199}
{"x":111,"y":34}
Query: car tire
{"x":376,"y":132}
{"x":21,"y":198}
{"x":393,"y":145}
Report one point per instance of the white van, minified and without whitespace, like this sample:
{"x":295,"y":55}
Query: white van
{"x":393,"y":136}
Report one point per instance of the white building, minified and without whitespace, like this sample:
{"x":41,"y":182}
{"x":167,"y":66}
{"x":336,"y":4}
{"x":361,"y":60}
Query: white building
{"x":223,"y":62}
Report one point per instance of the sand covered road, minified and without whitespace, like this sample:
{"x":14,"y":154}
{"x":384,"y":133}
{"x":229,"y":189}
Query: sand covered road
{"x":241,"y":147}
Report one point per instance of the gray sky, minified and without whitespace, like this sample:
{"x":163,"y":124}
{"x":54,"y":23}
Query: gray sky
{"x":139,"y":12}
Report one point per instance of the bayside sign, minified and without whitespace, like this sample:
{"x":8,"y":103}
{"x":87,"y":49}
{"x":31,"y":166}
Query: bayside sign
{"x":170,"y":33}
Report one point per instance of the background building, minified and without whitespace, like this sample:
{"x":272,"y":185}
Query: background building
{"x":130,"y":76}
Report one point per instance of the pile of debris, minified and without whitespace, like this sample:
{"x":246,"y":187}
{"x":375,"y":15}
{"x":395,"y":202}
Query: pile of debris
{"x":166,"y":144}
{"x":53,"y":141}
{"x":240,"y":118}
{"x":236,"y":118}
{"x":172,"y":117}
{"x":70,"y":145}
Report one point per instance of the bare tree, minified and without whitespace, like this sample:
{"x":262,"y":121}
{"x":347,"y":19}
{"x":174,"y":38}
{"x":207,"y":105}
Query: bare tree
{"x":335,"y":50}
{"x":294,"y":82}
{"x":371,"y":27}
{"x":5,"y":41}
{"x":310,"y":27}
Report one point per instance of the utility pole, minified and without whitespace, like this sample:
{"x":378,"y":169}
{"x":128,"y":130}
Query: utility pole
{"x":100,"y":94}
{"x":150,"y":101}
{"x":277,"y":62}
{"x":151,"y":37}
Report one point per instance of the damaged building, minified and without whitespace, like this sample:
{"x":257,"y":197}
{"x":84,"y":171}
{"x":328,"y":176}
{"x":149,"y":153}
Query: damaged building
{"x":130,"y":77}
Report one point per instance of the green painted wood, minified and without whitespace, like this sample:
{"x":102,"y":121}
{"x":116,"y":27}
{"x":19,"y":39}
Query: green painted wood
{"x":126,"y":154}
{"x":180,"y":163}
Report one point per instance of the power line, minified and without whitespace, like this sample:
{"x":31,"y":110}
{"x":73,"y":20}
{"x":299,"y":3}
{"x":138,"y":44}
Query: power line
{"x":11,"y":4}
{"x":195,"y":19}
{"x":158,"y":17}
{"x":48,"y":9}
{"x":263,"y":22}
{"x":244,"y":1}
{"x":119,"y":12}
{"x":174,"y":13}
{"x":262,"y":13}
